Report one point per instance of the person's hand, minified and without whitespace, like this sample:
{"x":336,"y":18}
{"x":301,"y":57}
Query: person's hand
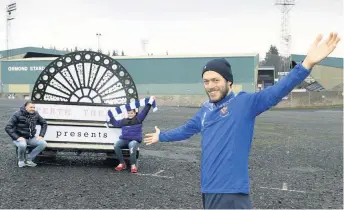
{"x":110,"y":114}
{"x":151,"y":100}
{"x":152,"y":138}
{"x":39,"y":137}
{"x":20,"y":139}
{"x":317,"y":52}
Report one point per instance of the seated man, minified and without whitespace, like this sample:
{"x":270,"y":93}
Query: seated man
{"x":22,"y":129}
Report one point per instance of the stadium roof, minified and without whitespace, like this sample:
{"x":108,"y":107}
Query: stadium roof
{"x":31,"y":52}
{"x":329,"y":61}
{"x":151,"y":56}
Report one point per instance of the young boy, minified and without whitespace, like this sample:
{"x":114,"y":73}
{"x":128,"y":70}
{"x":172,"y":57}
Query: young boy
{"x":131,"y":135}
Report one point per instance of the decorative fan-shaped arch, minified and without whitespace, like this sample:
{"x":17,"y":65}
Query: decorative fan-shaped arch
{"x":84,"y":77}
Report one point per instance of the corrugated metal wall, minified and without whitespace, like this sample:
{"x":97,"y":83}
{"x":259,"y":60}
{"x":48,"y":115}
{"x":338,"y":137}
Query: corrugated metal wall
{"x":151,"y":75}
{"x":328,"y":73}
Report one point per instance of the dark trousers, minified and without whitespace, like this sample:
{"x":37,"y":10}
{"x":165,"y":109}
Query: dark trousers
{"x":226,"y":201}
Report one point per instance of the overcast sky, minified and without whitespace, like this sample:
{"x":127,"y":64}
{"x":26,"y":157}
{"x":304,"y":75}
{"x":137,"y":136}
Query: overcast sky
{"x":179,"y":26}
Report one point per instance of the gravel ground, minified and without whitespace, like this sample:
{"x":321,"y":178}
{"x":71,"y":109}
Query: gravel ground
{"x":296,"y":162}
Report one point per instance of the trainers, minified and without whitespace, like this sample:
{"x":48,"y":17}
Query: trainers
{"x":133,"y":169}
{"x":120,"y":167}
{"x":30,"y":163}
{"x":21,"y":164}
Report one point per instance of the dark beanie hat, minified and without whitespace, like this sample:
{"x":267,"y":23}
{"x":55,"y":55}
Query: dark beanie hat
{"x":221,"y":66}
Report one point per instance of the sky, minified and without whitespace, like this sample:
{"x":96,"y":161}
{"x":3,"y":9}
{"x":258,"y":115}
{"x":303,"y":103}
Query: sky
{"x":181,"y":27}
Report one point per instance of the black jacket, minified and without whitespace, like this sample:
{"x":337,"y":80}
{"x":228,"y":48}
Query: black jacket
{"x":23,"y":124}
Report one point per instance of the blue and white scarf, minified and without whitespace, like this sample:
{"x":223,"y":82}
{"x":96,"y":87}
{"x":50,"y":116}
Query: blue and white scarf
{"x":121,"y":112}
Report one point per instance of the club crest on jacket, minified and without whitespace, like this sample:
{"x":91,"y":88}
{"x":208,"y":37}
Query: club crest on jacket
{"x":224,"y":111}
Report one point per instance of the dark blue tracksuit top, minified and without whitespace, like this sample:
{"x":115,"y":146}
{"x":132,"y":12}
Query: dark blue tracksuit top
{"x":227,"y":130}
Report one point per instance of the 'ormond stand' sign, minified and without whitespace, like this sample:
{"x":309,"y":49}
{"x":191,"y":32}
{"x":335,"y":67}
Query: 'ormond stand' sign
{"x":74,"y":93}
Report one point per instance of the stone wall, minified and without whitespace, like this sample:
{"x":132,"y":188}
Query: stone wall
{"x":312,"y":99}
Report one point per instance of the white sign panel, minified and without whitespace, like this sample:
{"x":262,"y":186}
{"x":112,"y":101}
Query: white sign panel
{"x":81,"y":134}
{"x":73,"y":112}
{"x":282,"y":73}
{"x":26,"y":68}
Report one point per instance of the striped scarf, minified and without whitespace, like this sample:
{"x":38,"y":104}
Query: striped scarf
{"x":121,"y":112}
